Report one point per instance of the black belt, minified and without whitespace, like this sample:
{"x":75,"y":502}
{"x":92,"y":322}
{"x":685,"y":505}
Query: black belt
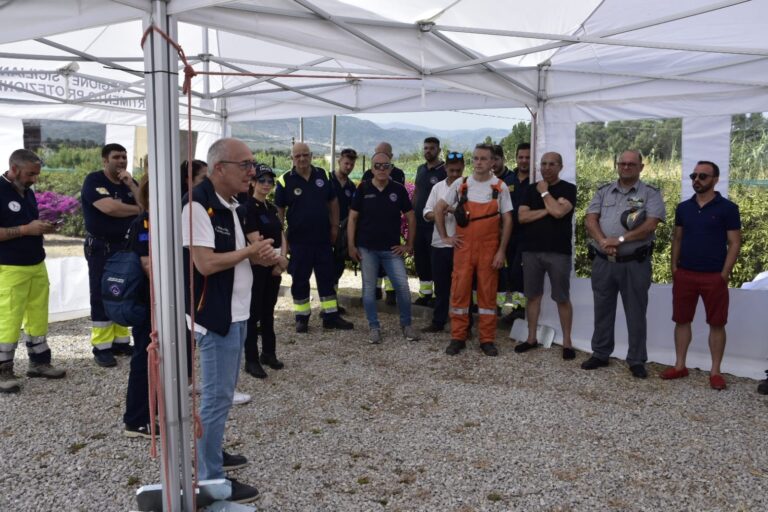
{"x":640,"y":254}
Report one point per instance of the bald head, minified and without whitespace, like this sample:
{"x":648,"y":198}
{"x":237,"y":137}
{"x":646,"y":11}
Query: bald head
{"x":384,"y":147}
{"x":301,"y":157}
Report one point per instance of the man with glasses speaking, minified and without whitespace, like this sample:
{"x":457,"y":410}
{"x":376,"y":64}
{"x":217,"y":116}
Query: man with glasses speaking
{"x":705,"y":246}
{"x":621,"y":220}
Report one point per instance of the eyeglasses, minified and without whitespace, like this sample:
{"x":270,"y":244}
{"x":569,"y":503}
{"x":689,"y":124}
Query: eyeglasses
{"x":631,"y":165}
{"x":453,"y":155}
{"x":245,"y":165}
{"x":700,"y":176}
{"x":265,"y":181}
{"x":382,"y":167}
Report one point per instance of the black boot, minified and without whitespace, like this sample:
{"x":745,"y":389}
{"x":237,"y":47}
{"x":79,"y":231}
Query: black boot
{"x":272,"y":361}
{"x":254,"y":369}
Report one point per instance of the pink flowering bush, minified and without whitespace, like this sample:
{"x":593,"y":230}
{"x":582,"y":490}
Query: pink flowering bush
{"x":53,"y":206}
{"x":404,"y":223}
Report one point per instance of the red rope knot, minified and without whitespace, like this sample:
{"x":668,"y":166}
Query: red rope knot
{"x":189,"y":72}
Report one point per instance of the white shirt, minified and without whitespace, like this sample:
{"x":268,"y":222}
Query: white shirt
{"x":204,"y":237}
{"x":480,"y":192}
{"x":438,"y":191}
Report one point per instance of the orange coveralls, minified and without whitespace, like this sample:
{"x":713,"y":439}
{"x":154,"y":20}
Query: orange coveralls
{"x":481,"y":241}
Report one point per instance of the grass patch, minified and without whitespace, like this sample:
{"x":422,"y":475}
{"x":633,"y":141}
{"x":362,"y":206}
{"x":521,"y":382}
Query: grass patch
{"x":76,"y":447}
{"x":363,"y":480}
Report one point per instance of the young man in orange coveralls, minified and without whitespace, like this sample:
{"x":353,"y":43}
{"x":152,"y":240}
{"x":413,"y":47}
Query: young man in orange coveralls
{"x":478,"y":248}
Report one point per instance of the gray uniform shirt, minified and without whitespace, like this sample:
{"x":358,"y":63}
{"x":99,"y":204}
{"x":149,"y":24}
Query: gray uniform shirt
{"x":610,"y":201}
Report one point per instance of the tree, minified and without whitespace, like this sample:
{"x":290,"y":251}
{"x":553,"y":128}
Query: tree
{"x":520,"y":133}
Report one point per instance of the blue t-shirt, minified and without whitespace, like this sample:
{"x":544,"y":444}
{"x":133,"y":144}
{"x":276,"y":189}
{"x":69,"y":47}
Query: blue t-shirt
{"x":100,"y":225}
{"x":425,"y":180}
{"x":344,"y":194}
{"x":705,"y":232}
{"x":306,"y":201}
{"x":378,"y":224}
{"x":16,"y":210}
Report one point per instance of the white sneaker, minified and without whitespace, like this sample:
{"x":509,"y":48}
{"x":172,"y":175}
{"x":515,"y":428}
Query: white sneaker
{"x":240,"y":398}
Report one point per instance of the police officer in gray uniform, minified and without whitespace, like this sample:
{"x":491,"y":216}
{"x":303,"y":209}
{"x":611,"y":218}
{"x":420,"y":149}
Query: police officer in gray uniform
{"x":621,"y":221}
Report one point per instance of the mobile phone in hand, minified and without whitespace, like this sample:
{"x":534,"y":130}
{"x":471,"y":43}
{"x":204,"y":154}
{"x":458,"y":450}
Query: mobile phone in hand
{"x":58,"y":223}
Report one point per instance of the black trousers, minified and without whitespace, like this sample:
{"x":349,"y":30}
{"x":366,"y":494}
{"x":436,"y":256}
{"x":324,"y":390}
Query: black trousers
{"x":263,"y":299}
{"x":137,"y":396}
{"x":442,"y":268}
{"x":422,"y":251}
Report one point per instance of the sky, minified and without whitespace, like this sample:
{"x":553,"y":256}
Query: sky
{"x":458,"y":120}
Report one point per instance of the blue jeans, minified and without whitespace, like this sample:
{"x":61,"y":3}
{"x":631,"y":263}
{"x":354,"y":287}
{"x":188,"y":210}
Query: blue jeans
{"x":219,"y":364}
{"x":394,"y":266}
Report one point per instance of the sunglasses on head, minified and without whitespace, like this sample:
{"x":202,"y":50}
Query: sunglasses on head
{"x":266,"y":180}
{"x":453,"y":155}
{"x":702,"y":176}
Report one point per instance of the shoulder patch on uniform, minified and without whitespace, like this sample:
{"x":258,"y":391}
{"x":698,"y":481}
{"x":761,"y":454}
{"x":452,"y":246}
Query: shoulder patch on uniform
{"x":604,"y":185}
{"x":654,"y":187}
{"x":103,"y":191}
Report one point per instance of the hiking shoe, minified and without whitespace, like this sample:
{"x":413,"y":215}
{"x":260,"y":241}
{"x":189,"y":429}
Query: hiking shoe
{"x":45,"y":370}
{"x":410,"y":333}
{"x":391,"y":298}
{"x":9,"y":383}
{"x":455,"y":346}
{"x":242,"y":493}
{"x":336,"y":322}
{"x":422,"y":301}
{"x":254,"y":369}
{"x":762,"y":386}
{"x":569,"y":353}
{"x":717,"y":382}
{"x":231,"y":461}
{"x":104,"y":358}
{"x":489,"y":349}
{"x":525,"y":346}
{"x":122,"y":349}
{"x":593,"y":363}
{"x":374,"y":336}
{"x":673,"y":373}
{"x":143,"y":431}
{"x":302,"y":326}
{"x":240,"y":398}
{"x":431,"y":328}
{"x":638,"y":371}
{"x":341,"y":310}
{"x":272,"y":361}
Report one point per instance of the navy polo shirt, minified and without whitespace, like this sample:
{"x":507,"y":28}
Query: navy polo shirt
{"x":262,"y":218}
{"x":100,"y":225}
{"x":396,"y":174}
{"x":344,"y":194}
{"x":16,"y":210}
{"x":306,"y":201}
{"x":425,"y":180}
{"x":378,"y":224}
{"x":705,"y":240}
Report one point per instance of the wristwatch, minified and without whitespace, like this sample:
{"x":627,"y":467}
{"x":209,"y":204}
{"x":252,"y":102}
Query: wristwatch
{"x":545,"y":193}
{"x":621,"y":239}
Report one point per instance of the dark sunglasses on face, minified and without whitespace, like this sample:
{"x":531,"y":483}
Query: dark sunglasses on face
{"x":266,"y":181}
{"x":453,"y":155}
{"x":701,"y":176}
{"x":383,"y":167}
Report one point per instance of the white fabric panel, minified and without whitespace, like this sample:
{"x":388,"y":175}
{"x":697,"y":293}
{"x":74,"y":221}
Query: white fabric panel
{"x":706,"y":138}
{"x":746,"y":353}
{"x":558,"y":136}
{"x":69,"y":295}
{"x":11,"y":139}
{"x":204,"y":141}
{"x":124,"y":135}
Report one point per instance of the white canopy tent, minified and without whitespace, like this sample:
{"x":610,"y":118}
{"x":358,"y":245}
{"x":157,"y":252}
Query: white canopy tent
{"x":568,"y":62}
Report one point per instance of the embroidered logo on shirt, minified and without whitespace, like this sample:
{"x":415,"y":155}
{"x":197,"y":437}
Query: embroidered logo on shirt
{"x":103,"y":191}
{"x":14,"y":206}
{"x":319,"y":182}
{"x":297,"y":191}
{"x":393,"y":197}
{"x":433,"y":180}
{"x":222,"y":230}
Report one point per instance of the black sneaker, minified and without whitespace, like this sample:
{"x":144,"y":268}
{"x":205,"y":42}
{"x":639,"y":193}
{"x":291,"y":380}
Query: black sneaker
{"x":422,"y":301}
{"x":762,"y":386}
{"x":231,"y":461}
{"x":593,"y":363}
{"x":140,"y":431}
{"x":569,"y":353}
{"x":302,"y":326}
{"x":336,"y":322}
{"x":254,"y":369}
{"x":242,"y":493}
{"x":122,"y":349}
{"x":432,"y":328}
{"x":455,"y":346}
{"x":391,"y":299}
{"x":525,"y":347}
{"x":489,"y":349}
{"x":104,"y":358}
{"x":271,"y":361}
{"x":638,"y":371}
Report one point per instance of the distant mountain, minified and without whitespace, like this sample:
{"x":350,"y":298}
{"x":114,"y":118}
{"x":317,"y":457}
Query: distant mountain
{"x":359,"y":134}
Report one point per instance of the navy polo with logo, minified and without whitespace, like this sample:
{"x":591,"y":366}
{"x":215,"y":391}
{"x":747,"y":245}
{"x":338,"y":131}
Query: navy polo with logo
{"x":425,"y":180}
{"x":705,"y":232}
{"x":97,"y":223}
{"x":17,"y":210}
{"x":306,"y":201}
{"x":344,"y":194}
{"x":378,"y":225}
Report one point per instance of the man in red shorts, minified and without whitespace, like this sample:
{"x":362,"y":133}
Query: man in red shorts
{"x":704,"y":249}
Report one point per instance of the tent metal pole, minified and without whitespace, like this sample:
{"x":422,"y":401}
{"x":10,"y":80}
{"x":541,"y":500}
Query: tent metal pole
{"x":333,"y":143}
{"x":301,"y":129}
{"x":160,"y":59}
{"x":284,"y":71}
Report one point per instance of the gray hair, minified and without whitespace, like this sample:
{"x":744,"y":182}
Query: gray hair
{"x":217,"y":152}
{"x":24,"y":156}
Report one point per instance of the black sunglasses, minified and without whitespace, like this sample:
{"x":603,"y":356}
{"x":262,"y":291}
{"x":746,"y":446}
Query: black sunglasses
{"x":382,"y":166}
{"x":453,"y":155}
{"x":264,"y":180}
{"x":702,"y":176}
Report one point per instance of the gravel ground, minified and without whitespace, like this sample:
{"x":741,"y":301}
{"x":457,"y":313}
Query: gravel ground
{"x":401,"y":426}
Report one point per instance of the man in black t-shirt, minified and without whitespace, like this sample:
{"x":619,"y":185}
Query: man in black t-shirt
{"x":547,"y":212}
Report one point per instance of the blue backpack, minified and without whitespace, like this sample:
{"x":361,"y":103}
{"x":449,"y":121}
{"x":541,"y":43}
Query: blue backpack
{"x":124,"y":288}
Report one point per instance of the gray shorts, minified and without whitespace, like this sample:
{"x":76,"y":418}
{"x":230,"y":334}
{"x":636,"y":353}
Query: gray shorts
{"x":557,"y":266}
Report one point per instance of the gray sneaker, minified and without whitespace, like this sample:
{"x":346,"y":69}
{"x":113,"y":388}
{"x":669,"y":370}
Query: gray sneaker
{"x":9,"y":383}
{"x":45,"y":370}
{"x":410,"y":333}
{"x":375,"y":336}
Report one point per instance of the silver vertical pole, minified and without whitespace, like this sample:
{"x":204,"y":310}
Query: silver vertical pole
{"x":301,"y":129}
{"x":161,"y":62}
{"x":333,"y":143}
